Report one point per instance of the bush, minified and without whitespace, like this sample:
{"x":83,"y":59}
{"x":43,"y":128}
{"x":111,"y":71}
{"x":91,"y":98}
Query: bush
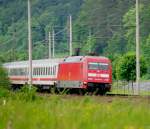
{"x":28,"y":94}
{"x":4,"y":80}
{"x":126,"y":67}
{"x":4,"y":93}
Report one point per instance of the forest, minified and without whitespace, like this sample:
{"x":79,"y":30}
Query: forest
{"x":103,"y":27}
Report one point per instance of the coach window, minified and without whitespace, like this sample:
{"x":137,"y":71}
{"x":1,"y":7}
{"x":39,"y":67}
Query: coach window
{"x":55,"y":70}
{"x":40,"y":71}
{"x":21,"y":72}
{"x":9,"y":71}
{"x":16,"y":72}
{"x":52,"y":71}
{"x":34,"y":71}
{"x":46,"y":71}
{"x":37,"y":71}
{"x":49,"y":71}
{"x":43,"y":71}
{"x":12,"y":71}
{"x":26,"y":71}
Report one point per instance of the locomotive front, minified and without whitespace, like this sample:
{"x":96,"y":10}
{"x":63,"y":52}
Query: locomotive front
{"x":99,"y":73}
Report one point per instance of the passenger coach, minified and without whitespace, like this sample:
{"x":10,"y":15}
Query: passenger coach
{"x":80,"y":72}
{"x":44,"y":72}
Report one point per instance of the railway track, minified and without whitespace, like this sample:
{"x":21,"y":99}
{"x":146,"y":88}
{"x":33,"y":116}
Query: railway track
{"x":96,"y":95}
{"x":108,"y":98}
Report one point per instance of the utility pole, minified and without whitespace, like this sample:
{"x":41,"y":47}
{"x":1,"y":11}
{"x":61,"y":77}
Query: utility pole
{"x":137,"y":49}
{"x":49,"y":46}
{"x":53,"y":37}
{"x":70,"y":35}
{"x":29,"y":45}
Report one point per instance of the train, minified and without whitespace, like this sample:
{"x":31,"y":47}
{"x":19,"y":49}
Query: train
{"x":74,"y":72}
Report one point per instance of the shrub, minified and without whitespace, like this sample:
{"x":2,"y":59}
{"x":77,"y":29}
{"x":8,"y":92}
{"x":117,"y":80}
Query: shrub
{"x":126,"y":67}
{"x":4,"y":93}
{"x":4,"y":80}
{"x":28,"y":94}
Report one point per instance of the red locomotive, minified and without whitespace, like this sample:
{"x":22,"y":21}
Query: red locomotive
{"x":80,"y":72}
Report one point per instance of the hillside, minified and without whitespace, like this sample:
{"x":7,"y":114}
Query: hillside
{"x":105,"y":27}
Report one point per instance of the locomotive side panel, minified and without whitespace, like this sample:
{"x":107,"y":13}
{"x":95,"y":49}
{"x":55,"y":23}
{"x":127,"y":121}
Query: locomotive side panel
{"x":70,"y":75}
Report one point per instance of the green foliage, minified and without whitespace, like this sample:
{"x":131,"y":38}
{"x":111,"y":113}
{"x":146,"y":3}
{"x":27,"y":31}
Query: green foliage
{"x":45,"y":15}
{"x":89,"y":45}
{"x":126,"y":67}
{"x":4,"y":80}
{"x":116,"y":45}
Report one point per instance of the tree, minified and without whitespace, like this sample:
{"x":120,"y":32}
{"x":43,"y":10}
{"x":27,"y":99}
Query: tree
{"x":89,"y":45}
{"x":126,"y":67}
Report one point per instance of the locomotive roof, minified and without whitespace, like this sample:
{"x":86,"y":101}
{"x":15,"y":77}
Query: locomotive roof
{"x":79,"y":58}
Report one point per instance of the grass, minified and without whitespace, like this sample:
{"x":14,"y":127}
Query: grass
{"x":63,"y":112}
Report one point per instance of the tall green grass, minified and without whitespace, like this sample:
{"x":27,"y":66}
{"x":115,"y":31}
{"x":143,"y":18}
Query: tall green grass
{"x":63,"y":112}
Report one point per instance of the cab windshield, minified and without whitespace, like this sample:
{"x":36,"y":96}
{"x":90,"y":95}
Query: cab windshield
{"x":98,"y":66}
